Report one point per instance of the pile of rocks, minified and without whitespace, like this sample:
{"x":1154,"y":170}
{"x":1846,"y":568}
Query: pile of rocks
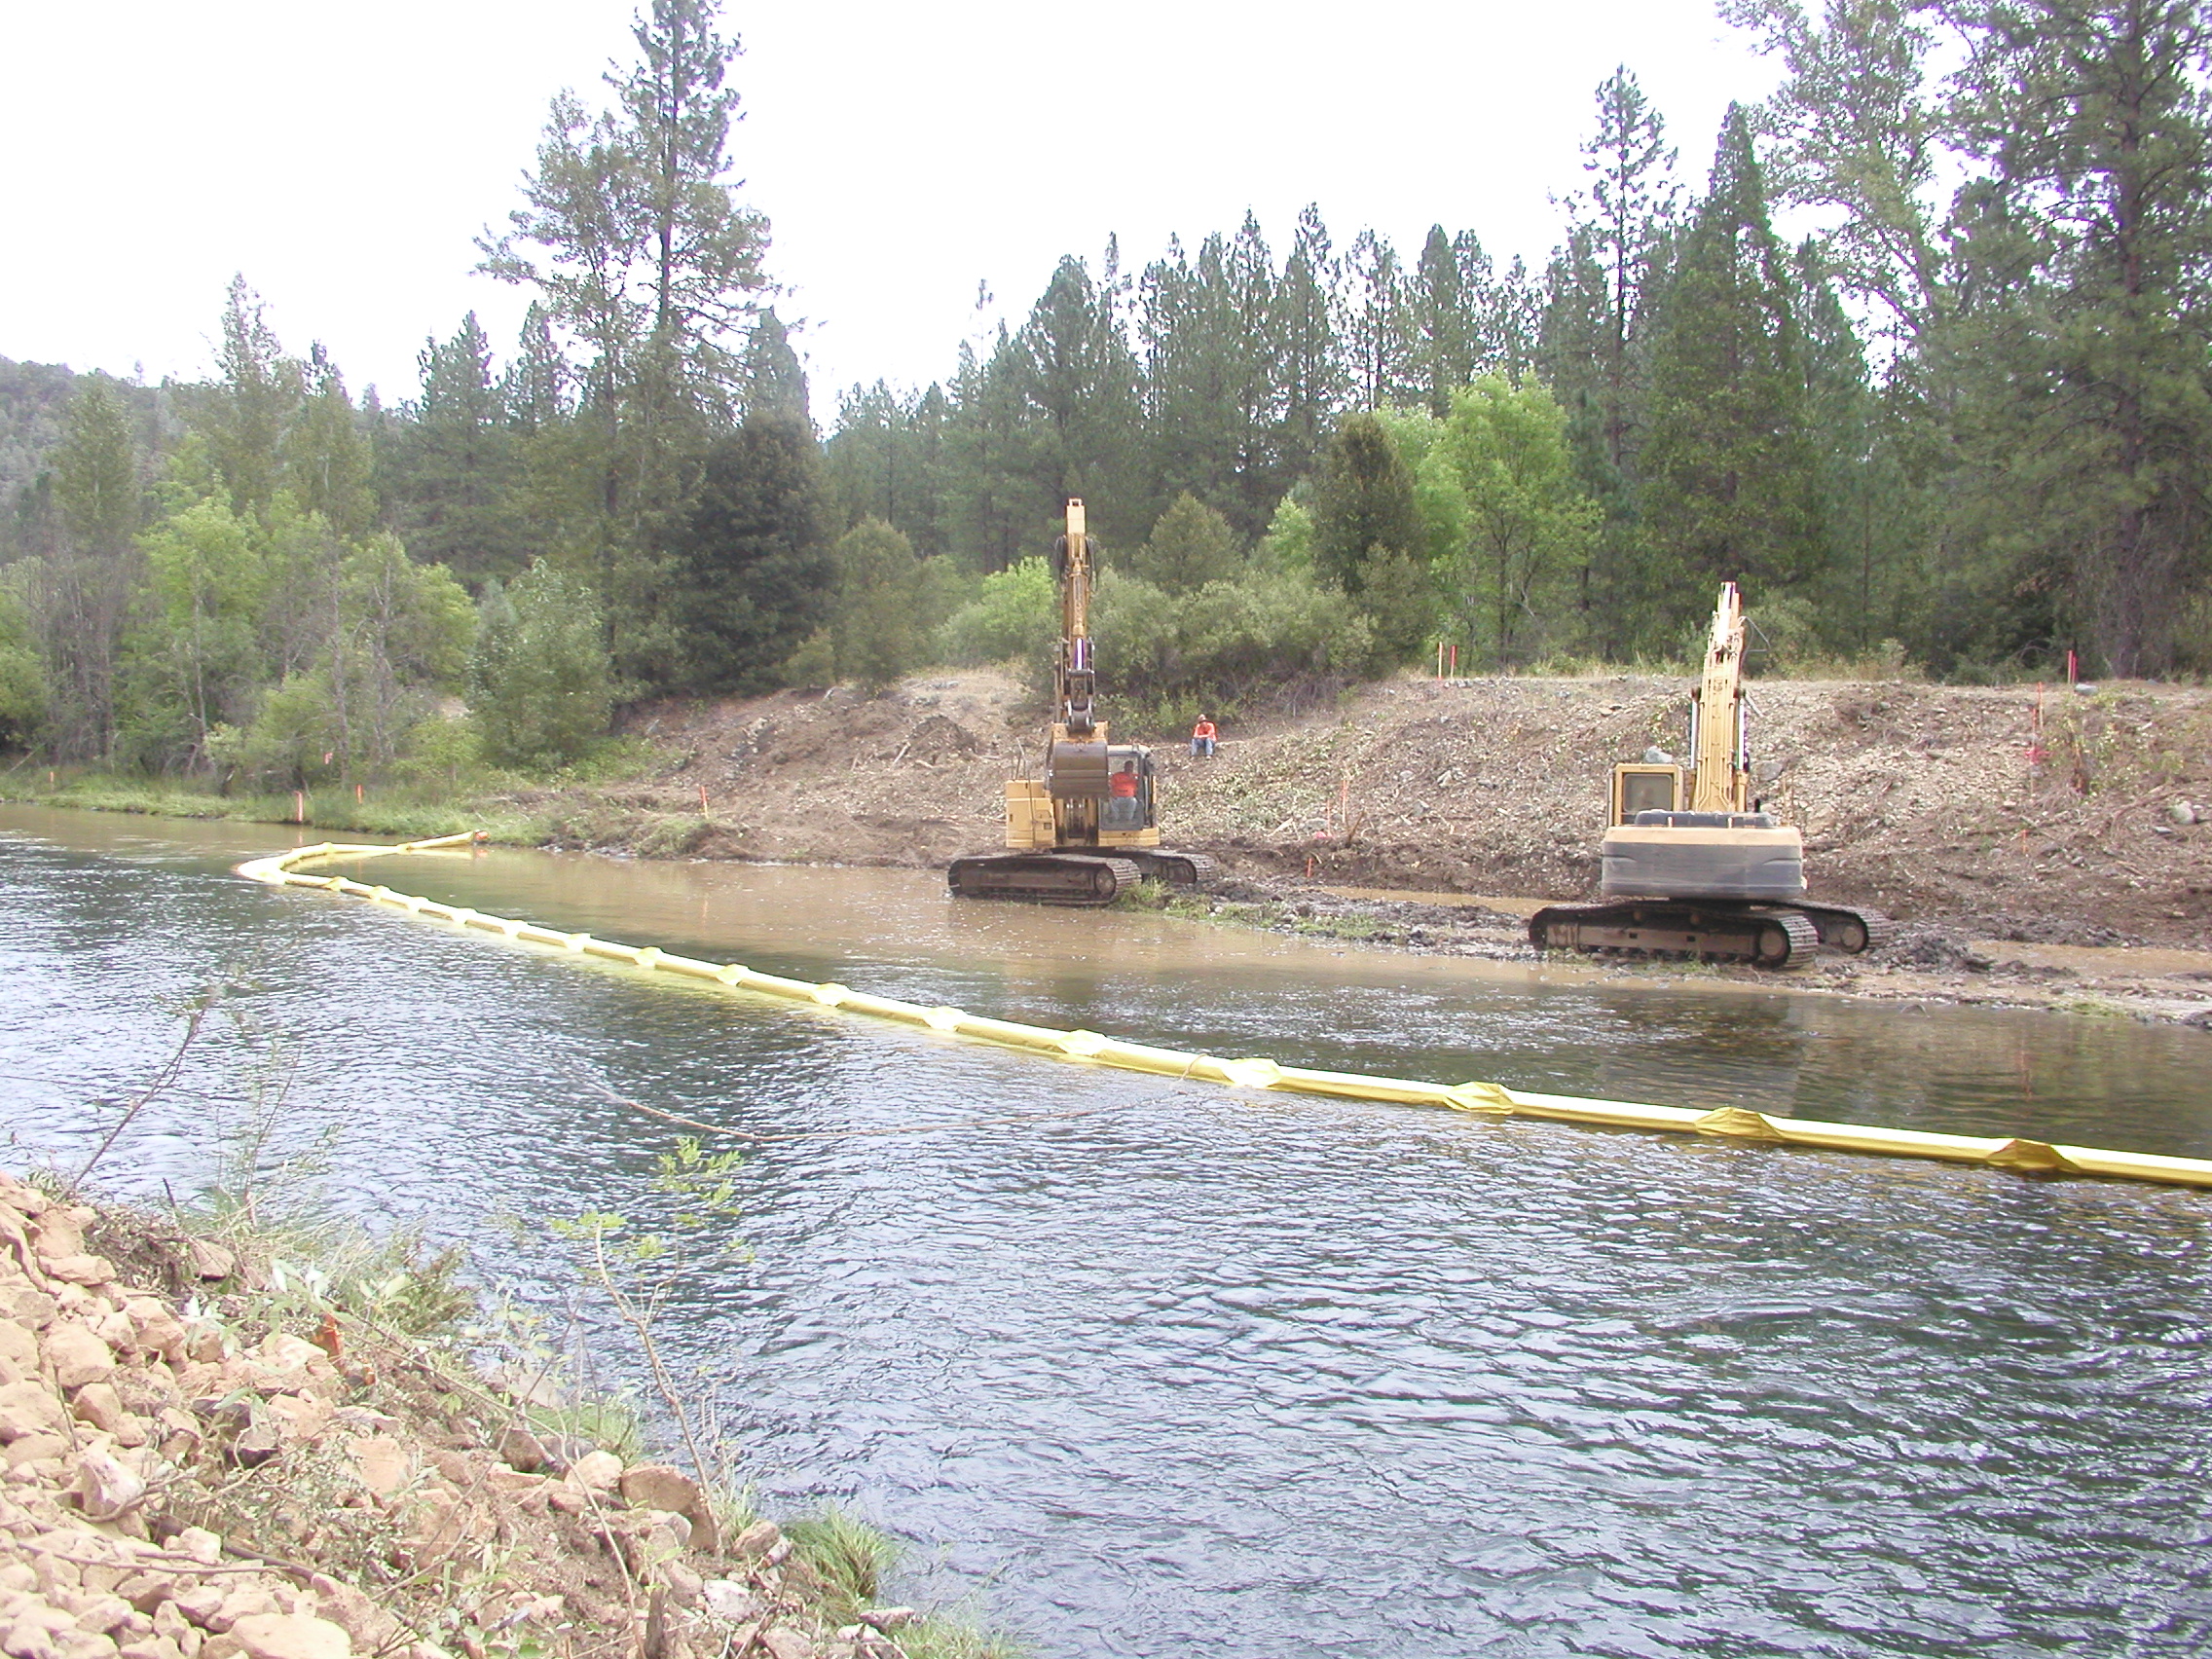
{"x":184,"y":1481}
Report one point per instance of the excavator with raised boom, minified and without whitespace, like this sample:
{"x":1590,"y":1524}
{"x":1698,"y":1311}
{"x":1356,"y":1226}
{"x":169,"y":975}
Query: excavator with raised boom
{"x":1090,"y":828}
{"x":1691,"y":865}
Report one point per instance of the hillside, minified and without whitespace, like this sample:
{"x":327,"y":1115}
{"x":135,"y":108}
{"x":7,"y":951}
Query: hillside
{"x":1923,"y":800}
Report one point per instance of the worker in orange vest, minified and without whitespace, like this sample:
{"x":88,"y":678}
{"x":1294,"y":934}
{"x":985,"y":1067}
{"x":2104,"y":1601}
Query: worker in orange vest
{"x":1201,"y":739}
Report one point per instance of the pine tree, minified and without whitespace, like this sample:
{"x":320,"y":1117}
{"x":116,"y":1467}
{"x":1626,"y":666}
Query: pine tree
{"x":1631,"y":201}
{"x":1363,"y":505}
{"x":1379,"y":336}
{"x":461,"y":471}
{"x":879,"y":623}
{"x":1730,"y":481}
{"x":1445,"y":323}
{"x":753,"y":559}
{"x":1308,"y":360}
{"x":639,"y":250}
{"x":772,"y":382}
{"x":80,"y":595}
{"x":1190,"y":546}
{"x":245,"y":415}
{"x":2085,"y":325}
{"x":1856,"y":132}
{"x":327,"y":461}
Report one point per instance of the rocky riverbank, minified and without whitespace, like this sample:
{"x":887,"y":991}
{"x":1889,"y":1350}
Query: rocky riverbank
{"x":204,"y":1461}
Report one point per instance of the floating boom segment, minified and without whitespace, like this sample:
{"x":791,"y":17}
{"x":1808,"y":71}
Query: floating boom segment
{"x":2016,"y":1154}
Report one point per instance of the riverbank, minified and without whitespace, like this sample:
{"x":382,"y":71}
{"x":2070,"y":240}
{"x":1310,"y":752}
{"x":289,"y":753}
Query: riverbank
{"x":212,"y":1453}
{"x":2042,"y":848}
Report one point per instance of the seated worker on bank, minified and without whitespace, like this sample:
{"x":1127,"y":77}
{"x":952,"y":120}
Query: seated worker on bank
{"x":1201,"y":739}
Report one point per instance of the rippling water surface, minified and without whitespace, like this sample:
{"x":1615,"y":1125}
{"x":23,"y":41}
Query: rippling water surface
{"x":1161,"y":1369}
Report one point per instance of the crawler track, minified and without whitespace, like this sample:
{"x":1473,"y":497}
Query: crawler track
{"x":1043,"y":878}
{"x":1763,"y":935}
{"x":1852,"y":931}
{"x":1177,"y":869}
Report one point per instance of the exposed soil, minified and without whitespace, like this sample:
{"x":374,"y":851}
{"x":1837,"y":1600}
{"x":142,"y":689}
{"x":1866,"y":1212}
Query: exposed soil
{"x":200,"y":1462}
{"x":2012,"y":830}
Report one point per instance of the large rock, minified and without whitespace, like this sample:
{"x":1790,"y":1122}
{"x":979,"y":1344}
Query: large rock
{"x":292,"y":1635}
{"x":758,"y":1541}
{"x":58,"y":1232}
{"x":78,"y":1357}
{"x":30,"y":1407}
{"x":382,"y":1464}
{"x":522,"y":1449}
{"x":158,"y":1330}
{"x":18,"y":1348}
{"x":98,"y":1406}
{"x":596,"y":1471}
{"x":661,"y":1485}
{"x":207,"y":1259}
{"x":105,"y":1487}
{"x":27,"y":1306}
{"x":79,"y":1268}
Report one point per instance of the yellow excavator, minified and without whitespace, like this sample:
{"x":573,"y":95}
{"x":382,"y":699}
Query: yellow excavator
{"x":1090,"y":828}
{"x":1693,"y":866}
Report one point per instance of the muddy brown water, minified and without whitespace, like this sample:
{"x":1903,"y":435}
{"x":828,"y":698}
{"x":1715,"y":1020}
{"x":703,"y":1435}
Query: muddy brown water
{"x":1145,"y":1368}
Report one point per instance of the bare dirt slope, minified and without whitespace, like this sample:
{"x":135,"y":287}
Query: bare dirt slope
{"x":1941,"y":804}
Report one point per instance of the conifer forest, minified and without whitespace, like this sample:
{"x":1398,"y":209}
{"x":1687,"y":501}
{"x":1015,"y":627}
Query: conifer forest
{"x":1960,"y":422}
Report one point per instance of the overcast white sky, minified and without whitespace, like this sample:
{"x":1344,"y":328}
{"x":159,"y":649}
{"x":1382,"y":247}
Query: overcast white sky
{"x":344,"y":158}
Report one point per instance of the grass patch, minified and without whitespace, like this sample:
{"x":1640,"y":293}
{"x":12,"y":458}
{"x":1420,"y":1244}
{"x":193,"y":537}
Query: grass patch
{"x":402,"y":814}
{"x":849,"y":1557}
{"x":849,"y":1561}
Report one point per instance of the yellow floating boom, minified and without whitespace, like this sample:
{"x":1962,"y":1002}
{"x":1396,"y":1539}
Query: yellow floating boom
{"x":2029,"y":1157}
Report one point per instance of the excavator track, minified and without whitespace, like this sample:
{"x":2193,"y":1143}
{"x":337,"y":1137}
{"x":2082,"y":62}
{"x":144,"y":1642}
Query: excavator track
{"x":1177,"y":869}
{"x":1043,"y":878}
{"x":1852,"y":932}
{"x":1763,"y":935}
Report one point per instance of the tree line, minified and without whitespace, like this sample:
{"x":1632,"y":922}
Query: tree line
{"x":1963,"y":422}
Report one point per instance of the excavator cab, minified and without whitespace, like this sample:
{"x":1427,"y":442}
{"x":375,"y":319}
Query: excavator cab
{"x":1639,"y":786}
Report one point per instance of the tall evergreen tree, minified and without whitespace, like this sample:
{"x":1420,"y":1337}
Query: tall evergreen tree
{"x":81,"y":593}
{"x":245,"y":415}
{"x":326,"y":454}
{"x":1308,"y":357}
{"x":2084,"y":258}
{"x":753,"y":559}
{"x":1379,"y":331}
{"x":635,"y":240}
{"x":1858,"y":135}
{"x":1731,"y":483}
{"x":1363,"y":505}
{"x":1445,"y":320}
{"x":461,"y":468}
{"x":774,"y":384}
{"x":1631,"y":201}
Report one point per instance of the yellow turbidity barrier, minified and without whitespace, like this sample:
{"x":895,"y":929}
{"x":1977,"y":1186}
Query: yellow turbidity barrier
{"x":1728,"y":1123}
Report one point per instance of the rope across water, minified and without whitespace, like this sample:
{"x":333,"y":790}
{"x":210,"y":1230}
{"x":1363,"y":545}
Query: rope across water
{"x":1090,"y":1048}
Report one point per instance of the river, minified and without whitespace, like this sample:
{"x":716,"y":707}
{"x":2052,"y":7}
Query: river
{"x":1154,"y":1369}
